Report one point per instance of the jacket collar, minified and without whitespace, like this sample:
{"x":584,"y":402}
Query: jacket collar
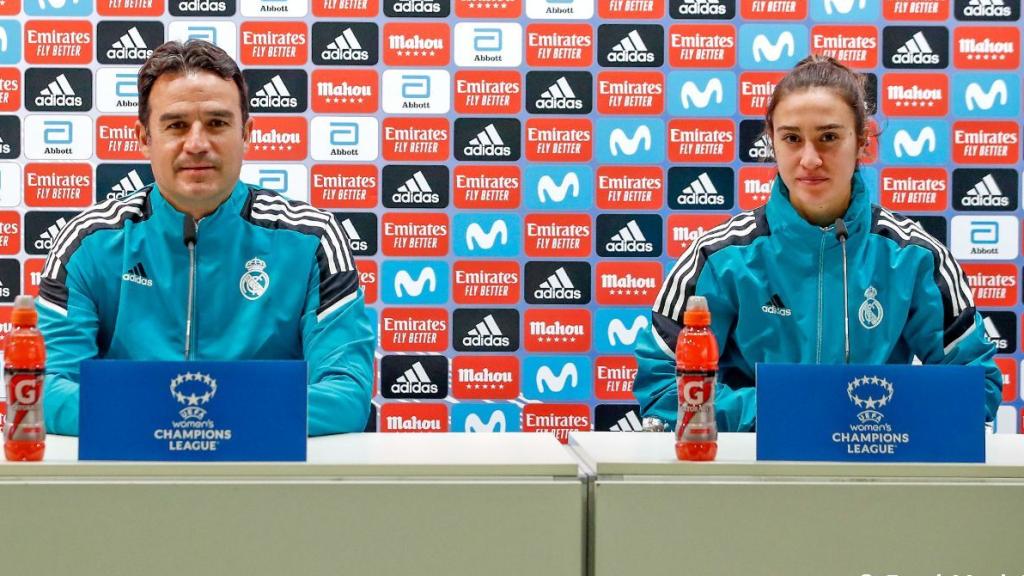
{"x":172,"y":218}
{"x":786,"y":222}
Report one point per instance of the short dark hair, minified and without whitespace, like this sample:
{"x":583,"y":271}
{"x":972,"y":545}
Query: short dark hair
{"x":184,"y":58}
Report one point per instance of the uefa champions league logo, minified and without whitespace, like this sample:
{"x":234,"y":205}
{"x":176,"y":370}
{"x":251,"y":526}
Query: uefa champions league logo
{"x":255,"y":281}
{"x":193,"y":390}
{"x":870,"y":393}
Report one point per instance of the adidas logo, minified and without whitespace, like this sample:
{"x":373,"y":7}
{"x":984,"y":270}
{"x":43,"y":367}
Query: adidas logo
{"x":131,"y":46}
{"x":487,"y":143}
{"x":558,"y":286}
{"x":701,"y":8}
{"x":5,"y":148}
{"x":631,"y":49}
{"x":354,"y":240}
{"x":986,"y":194}
{"x":58,"y":93}
{"x":137,"y":274}
{"x":345,"y":47}
{"x":988,"y":9}
{"x":992,"y":334}
{"x":916,"y":50}
{"x":761,"y":149}
{"x":628,"y":423}
{"x":559,"y":96}
{"x":414,"y":381}
{"x":486,"y":333}
{"x":45,"y":240}
{"x":701,"y":192}
{"x":775,"y":306}
{"x":416,"y":190}
{"x":274,"y":94}
{"x":128,"y":185}
{"x":629,"y":239}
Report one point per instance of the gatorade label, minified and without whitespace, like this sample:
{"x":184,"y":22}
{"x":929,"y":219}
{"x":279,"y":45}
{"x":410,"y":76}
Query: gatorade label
{"x":24,"y":409}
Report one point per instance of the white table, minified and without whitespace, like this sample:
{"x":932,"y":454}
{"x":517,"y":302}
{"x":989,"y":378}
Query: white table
{"x":402,"y":504}
{"x":650,"y":514}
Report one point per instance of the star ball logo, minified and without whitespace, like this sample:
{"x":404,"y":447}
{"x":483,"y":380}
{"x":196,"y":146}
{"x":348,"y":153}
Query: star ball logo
{"x":870,"y":394}
{"x":193,"y":390}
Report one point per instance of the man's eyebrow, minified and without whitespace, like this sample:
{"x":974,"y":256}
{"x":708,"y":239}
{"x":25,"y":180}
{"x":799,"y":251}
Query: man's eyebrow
{"x":819,"y":128}
{"x":218,"y":113}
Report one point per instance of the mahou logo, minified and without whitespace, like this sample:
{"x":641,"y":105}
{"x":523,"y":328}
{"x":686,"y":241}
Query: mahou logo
{"x":613,"y":377}
{"x":477,"y":9}
{"x":417,"y":44}
{"x":490,"y":92}
{"x":557,"y":330}
{"x":418,"y":377}
{"x":700,"y":141}
{"x":10,"y":89}
{"x":558,"y":419}
{"x":855,"y":46}
{"x":350,"y":91}
{"x":702,"y":46}
{"x":58,"y":185}
{"x":755,"y":90}
{"x":488,"y":187}
{"x":916,"y":46}
{"x":986,"y":47}
{"x":559,"y":140}
{"x":630,"y":187}
{"x":345,"y":8}
{"x":988,"y":189}
{"x":914,"y":189}
{"x":630,"y":93}
{"x":981,"y":142}
{"x":58,"y":42}
{"x":416,"y":139}
{"x":485,"y":282}
{"x":274,"y":43}
{"x":416,"y":234}
{"x":115,"y":138}
{"x":345,"y":43}
{"x":918,"y":10}
{"x":278,"y":138}
{"x":405,"y":417}
{"x":559,"y":45}
{"x":32,"y":275}
{"x":369,"y":277}
{"x":485,"y":377}
{"x":345,"y":187}
{"x":992,"y":284}
{"x":558,"y":235}
{"x":915,"y":94}
{"x":628,"y":284}
{"x":684,"y":229}
{"x":414,"y":329}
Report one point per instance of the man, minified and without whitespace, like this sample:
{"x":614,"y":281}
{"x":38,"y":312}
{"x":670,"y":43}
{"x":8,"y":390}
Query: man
{"x":201,"y":266}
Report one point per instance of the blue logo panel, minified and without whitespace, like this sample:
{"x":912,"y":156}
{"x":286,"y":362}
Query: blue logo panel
{"x":476,"y":417}
{"x":414,"y":282}
{"x":557,"y":378}
{"x":986,"y":95}
{"x":52,"y":8}
{"x":630,"y":141}
{"x":562,"y":188}
{"x":845,"y":10}
{"x":617,"y":329}
{"x":487,"y":235}
{"x":772,"y":46}
{"x":915,"y":142}
{"x":10,"y":42}
{"x":703,"y":94}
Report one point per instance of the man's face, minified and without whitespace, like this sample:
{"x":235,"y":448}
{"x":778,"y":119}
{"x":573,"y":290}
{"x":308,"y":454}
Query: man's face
{"x":816,"y":148}
{"x":195,"y":139}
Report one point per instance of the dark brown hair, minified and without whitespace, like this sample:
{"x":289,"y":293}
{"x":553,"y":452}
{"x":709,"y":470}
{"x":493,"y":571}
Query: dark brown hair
{"x":188,"y":58}
{"x":817,"y":71}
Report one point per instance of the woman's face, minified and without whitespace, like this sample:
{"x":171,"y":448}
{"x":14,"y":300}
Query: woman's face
{"x":816,"y":147}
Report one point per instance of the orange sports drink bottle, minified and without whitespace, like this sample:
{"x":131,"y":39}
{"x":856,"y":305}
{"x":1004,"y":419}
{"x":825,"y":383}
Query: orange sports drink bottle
{"x":24,"y":370}
{"x":696,"y":374}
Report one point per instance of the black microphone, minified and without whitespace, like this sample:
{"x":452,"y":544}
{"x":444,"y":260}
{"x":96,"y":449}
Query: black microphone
{"x":189,"y":230}
{"x":841,"y":235}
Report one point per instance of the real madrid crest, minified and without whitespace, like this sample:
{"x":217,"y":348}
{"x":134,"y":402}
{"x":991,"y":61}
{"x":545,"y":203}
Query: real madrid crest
{"x":255,"y":281}
{"x":871,"y":312}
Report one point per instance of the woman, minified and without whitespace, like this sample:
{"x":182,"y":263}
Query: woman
{"x":773,"y":277}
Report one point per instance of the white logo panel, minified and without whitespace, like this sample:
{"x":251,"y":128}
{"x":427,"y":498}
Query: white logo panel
{"x":117,"y":90}
{"x":223,"y":34}
{"x":289,"y":180}
{"x":488,"y":45}
{"x":58,"y":137}
{"x":274,"y":8}
{"x":416,"y":91}
{"x":560,"y":9}
{"x":985,"y":237}
{"x":344,"y":138}
{"x":10,"y":184}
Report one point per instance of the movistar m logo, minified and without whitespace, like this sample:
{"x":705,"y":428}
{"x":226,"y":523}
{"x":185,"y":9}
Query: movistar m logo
{"x":477,"y":238}
{"x":692,"y":96}
{"x":905,"y":145}
{"x":618,"y":334}
{"x":405,"y":284}
{"x":978,"y":98}
{"x":764,"y":49}
{"x":547,"y":380}
{"x":548,"y":190}
{"x":620,"y":144}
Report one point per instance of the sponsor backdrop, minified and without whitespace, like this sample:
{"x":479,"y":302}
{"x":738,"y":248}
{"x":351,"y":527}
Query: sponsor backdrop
{"x":515,"y":176}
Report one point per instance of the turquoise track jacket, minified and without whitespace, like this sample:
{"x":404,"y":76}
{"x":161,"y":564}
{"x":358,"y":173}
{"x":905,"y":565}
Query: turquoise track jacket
{"x":274,"y":279}
{"x":774,"y":284}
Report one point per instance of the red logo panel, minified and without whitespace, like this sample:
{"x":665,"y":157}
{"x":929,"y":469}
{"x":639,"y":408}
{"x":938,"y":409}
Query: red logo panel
{"x":558,"y":235}
{"x":60,"y":42}
{"x":345,"y":8}
{"x":630,"y":187}
{"x":368,"y":275}
{"x":10,"y":89}
{"x":702,"y":46}
{"x":417,"y":44}
{"x":1008,"y":367}
{"x":485,"y":377}
{"x":756,"y":90}
{"x":684,"y":229}
{"x":631,"y":9}
{"x":915,"y":189}
{"x":274,"y":44}
{"x":416,"y":139}
{"x":116,"y":140}
{"x":559,"y":419}
{"x":278,"y":138}
{"x":699,"y":141}
{"x":986,"y":142}
{"x":630,"y":93}
{"x":613,"y":377}
{"x":559,"y":139}
{"x":334,"y":186}
{"x":755,"y":186}
{"x":10,"y":8}
{"x":345,"y":91}
{"x":855,"y":46}
{"x":915,"y":94}
{"x":483,"y":187}
{"x":415,"y":234}
{"x":628,"y":283}
{"x":559,"y":45}
{"x":917,"y":10}
{"x":489,"y":92}
{"x":33,"y":275}
{"x":407,"y":417}
{"x":122,"y":8}
{"x":486,"y":282}
{"x":993,"y":285}
{"x":564,"y":330}
{"x":773,"y":9}
{"x":414,"y":329}
{"x":58,"y":185}
{"x":477,"y":9}
{"x":986,"y":47}
{"x":10,"y":232}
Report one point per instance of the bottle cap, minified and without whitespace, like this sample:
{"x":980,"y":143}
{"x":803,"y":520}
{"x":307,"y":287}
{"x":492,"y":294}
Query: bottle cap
{"x":24,"y":313}
{"x":697,"y":313}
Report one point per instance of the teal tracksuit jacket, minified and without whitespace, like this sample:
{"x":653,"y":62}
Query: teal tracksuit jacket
{"x":274,"y":279}
{"x":774,"y":284}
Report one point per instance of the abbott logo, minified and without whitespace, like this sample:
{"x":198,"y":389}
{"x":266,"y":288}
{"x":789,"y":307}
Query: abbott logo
{"x":477,"y":238}
{"x":548,"y":381}
{"x":405,"y":285}
{"x":618,"y":334}
{"x":57,"y":133}
{"x":619,"y":143}
{"x":985,"y":232}
{"x":765,"y":50}
{"x":495,"y":423}
{"x":273,"y":179}
{"x":978,"y":98}
{"x":693,"y":97}
{"x":844,"y":6}
{"x":557,"y":193}
{"x":904,"y":145}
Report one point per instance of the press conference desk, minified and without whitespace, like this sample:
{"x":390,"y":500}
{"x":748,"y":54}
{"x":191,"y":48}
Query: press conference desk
{"x":650,"y":514}
{"x":373,"y":504}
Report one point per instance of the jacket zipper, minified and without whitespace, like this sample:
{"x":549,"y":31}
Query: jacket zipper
{"x":189,"y":334}
{"x":821,"y":300}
